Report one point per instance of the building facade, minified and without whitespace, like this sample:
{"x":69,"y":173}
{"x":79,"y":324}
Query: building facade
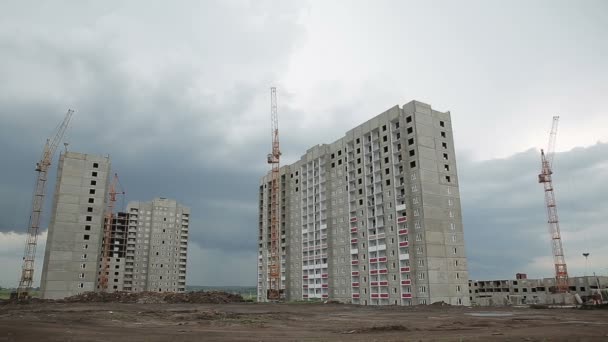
{"x":76,"y":229}
{"x":521,"y":291}
{"x":156,"y":247}
{"x":373,"y":218}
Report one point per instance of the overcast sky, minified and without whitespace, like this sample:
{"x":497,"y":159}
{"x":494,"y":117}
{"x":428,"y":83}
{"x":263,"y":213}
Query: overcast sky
{"x":178,"y":95}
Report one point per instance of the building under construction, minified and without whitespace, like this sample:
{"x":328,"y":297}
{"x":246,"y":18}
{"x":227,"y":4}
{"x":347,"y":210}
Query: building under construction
{"x":91,"y":248}
{"x":373,"y":218}
{"x":521,"y":291}
{"x":74,"y":241}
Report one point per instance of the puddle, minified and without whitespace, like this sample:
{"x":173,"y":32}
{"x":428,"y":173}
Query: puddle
{"x":490,"y":314}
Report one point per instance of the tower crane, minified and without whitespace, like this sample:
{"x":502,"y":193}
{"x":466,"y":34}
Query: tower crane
{"x":274,"y":266}
{"x":42,"y":167}
{"x":107,"y":233}
{"x":561,"y":271}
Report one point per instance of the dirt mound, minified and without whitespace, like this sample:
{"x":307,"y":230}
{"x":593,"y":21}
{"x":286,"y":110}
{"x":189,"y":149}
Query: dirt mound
{"x":211,"y":297}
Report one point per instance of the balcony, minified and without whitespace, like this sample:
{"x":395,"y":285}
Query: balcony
{"x":324,"y":286}
{"x":384,"y":295}
{"x":404,"y":244}
{"x":353,"y":230}
{"x":325,"y":295}
{"x":373,"y":283}
{"x":354,"y":251}
{"x":383,"y":283}
{"x":382,"y":259}
{"x":404,"y":257}
{"x":375,"y":295}
{"x":353,"y":240}
{"x":403,"y":231}
{"x":373,"y":271}
{"x":400,"y":207}
{"x":355,"y":284}
{"x":355,"y":273}
{"x":353,"y":219}
{"x":305,"y":277}
{"x":402,"y":219}
{"x":373,"y":260}
{"x":406,"y":282}
{"x":355,"y":296}
{"x":406,"y":295}
{"x":404,"y":269}
{"x":324,"y":275}
{"x":354,"y":262}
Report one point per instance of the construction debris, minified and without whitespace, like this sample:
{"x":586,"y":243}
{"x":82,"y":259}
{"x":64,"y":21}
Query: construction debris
{"x":200,"y":297}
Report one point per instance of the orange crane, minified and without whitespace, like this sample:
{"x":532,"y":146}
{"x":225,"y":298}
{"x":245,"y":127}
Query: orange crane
{"x":561,"y":271}
{"x":107,"y":233}
{"x":42,"y":168}
{"x":274,"y":265}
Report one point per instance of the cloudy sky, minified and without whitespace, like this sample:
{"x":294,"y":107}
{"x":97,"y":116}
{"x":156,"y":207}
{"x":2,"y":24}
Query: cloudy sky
{"x":178,"y":94}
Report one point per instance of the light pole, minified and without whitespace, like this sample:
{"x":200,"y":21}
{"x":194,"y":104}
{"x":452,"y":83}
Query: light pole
{"x":586,"y":255}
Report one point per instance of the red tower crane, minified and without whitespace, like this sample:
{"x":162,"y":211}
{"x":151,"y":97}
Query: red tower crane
{"x":42,"y":168}
{"x":274,"y":265}
{"x":561,"y":271}
{"x":107,"y":233}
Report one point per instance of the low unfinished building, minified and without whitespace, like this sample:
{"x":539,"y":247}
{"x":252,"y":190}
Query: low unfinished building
{"x":521,"y":291}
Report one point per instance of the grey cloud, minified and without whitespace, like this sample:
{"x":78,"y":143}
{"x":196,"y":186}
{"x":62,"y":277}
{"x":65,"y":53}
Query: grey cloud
{"x":504,"y":211}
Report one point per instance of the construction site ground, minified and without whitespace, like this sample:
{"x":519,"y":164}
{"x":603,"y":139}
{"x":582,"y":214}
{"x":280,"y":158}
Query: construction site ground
{"x":93,"y":321}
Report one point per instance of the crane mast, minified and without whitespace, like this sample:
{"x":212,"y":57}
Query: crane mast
{"x":42,"y":168}
{"x":274,"y":266}
{"x":107,"y":233}
{"x":561,"y":271}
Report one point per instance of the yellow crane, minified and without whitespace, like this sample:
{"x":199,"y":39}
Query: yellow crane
{"x":42,"y":167}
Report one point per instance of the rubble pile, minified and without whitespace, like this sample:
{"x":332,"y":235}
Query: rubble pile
{"x":200,"y":297}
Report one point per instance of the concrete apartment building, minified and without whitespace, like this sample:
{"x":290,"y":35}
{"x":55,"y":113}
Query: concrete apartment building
{"x":522,"y":290}
{"x":75,"y":232}
{"x":156,"y":248}
{"x":373,"y":218}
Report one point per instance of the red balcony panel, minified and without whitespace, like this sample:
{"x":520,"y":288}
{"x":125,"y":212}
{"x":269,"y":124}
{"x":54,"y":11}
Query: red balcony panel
{"x":305,"y":286}
{"x":353,"y":219}
{"x":325,"y":296}
{"x":374,"y":283}
{"x":373,"y":272}
{"x":406,"y":282}
{"x":404,"y":243}
{"x":374,"y":295}
{"x":324,"y":275}
{"x":355,"y":273}
{"x":324,"y":286}
{"x":383,"y":259}
{"x":384,"y":295}
{"x":373,"y":260}
{"x":305,"y":296}
{"x":354,"y":262}
{"x":384,"y":271}
{"x":355,"y":284}
{"x":403,"y":231}
{"x":355,"y":295}
{"x":384,"y":283}
{"x":353,"y":240}
{"x":401,"y":219}
{"x":405,"y":269}
{"x":406,"y":295}
{"x":305,"y":277}
{"x":353,"y":230}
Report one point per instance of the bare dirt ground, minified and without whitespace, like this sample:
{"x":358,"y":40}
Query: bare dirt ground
{"x":293,"y":322}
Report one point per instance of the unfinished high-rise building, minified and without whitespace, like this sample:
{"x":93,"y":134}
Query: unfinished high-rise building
{"x":156,"y":248}
{"x":75,"y":232}
{"x":373,"y":218}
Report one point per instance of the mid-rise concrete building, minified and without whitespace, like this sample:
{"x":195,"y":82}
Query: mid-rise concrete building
{"x":373,"y":218}
{"x":75,"y":232}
